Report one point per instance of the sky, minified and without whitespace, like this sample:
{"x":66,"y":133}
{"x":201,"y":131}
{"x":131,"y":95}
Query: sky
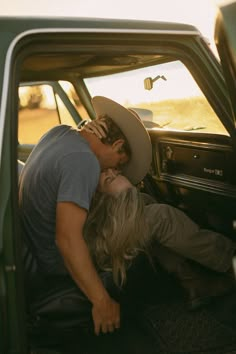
{"x":200,"y":13}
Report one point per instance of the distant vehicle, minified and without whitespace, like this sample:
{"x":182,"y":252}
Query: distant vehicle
{"x":50,"y":68}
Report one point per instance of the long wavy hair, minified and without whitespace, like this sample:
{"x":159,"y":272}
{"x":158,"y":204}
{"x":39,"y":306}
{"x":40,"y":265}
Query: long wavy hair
{"x":116,"y":231}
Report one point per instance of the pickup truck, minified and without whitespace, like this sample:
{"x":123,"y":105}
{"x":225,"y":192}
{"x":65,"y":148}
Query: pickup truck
{"x":49,"y":70}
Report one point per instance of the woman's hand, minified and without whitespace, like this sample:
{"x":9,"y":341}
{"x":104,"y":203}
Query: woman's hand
{"x":97,"y":127}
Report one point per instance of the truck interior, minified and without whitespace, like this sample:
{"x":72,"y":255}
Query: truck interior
{"x":192,"y":168}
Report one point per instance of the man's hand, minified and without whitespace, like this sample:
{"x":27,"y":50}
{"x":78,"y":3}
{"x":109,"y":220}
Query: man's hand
{"x":97,"y":127}
{"x":106,"y":316}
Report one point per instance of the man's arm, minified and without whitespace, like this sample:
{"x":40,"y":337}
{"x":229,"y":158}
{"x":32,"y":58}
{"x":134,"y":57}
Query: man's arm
{"x":70,"y":220}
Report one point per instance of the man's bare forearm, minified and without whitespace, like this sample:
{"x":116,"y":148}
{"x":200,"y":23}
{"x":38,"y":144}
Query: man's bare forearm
{"x":79,"y":263}
{"x":74,"y":250}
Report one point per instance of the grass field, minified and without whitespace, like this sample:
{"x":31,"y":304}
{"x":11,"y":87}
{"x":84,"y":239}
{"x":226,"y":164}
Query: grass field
{"x":193,"y":114}
{"x":182,"y":114}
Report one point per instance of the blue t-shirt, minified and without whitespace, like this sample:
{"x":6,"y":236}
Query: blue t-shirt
{"x":61,"y":168}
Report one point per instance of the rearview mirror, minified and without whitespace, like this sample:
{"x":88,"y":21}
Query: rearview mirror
{"x":148,"y":82}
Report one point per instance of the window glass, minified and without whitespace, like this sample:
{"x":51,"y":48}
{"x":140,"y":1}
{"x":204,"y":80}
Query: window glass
{"x":37,"y":112}
{"x":65,"y":115}
{"x":40,"y":109}
{"x":74,"y":98}
{"x":164,"y":95}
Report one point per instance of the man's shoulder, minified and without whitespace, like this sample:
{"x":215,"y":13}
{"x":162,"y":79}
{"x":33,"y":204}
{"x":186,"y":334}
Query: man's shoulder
{"x":59,"y":129}
{"x":64,"y":137}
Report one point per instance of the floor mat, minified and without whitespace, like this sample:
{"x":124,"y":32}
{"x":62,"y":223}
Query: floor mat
{"x":177,"y":331}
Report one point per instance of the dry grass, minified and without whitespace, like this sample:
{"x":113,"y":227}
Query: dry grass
{"x":33,"y":123}
{"x":186,"y":114}
{"x":182,"y":114}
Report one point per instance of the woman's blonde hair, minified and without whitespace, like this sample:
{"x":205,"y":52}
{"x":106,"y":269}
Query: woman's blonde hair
{"x":116,"y":232}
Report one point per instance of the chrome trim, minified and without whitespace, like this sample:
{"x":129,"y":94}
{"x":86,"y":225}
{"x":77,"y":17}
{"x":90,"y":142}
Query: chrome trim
{"x":198,"y":183}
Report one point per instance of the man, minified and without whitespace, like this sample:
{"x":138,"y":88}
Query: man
{"x":55,"y":191}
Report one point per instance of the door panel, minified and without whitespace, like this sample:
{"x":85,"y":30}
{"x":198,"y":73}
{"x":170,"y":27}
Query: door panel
{"x":195,"y":173}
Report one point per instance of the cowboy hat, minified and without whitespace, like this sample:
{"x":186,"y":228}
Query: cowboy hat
{"x":135,"y":133}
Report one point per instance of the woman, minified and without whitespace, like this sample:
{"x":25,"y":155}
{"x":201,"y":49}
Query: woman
{"x":116,"y":229}
{"x":170,"y":226}
{"x":119,"y":226}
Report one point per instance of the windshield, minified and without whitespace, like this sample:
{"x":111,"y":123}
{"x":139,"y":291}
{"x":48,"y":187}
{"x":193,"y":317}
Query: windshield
{"x":165,"y":96}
